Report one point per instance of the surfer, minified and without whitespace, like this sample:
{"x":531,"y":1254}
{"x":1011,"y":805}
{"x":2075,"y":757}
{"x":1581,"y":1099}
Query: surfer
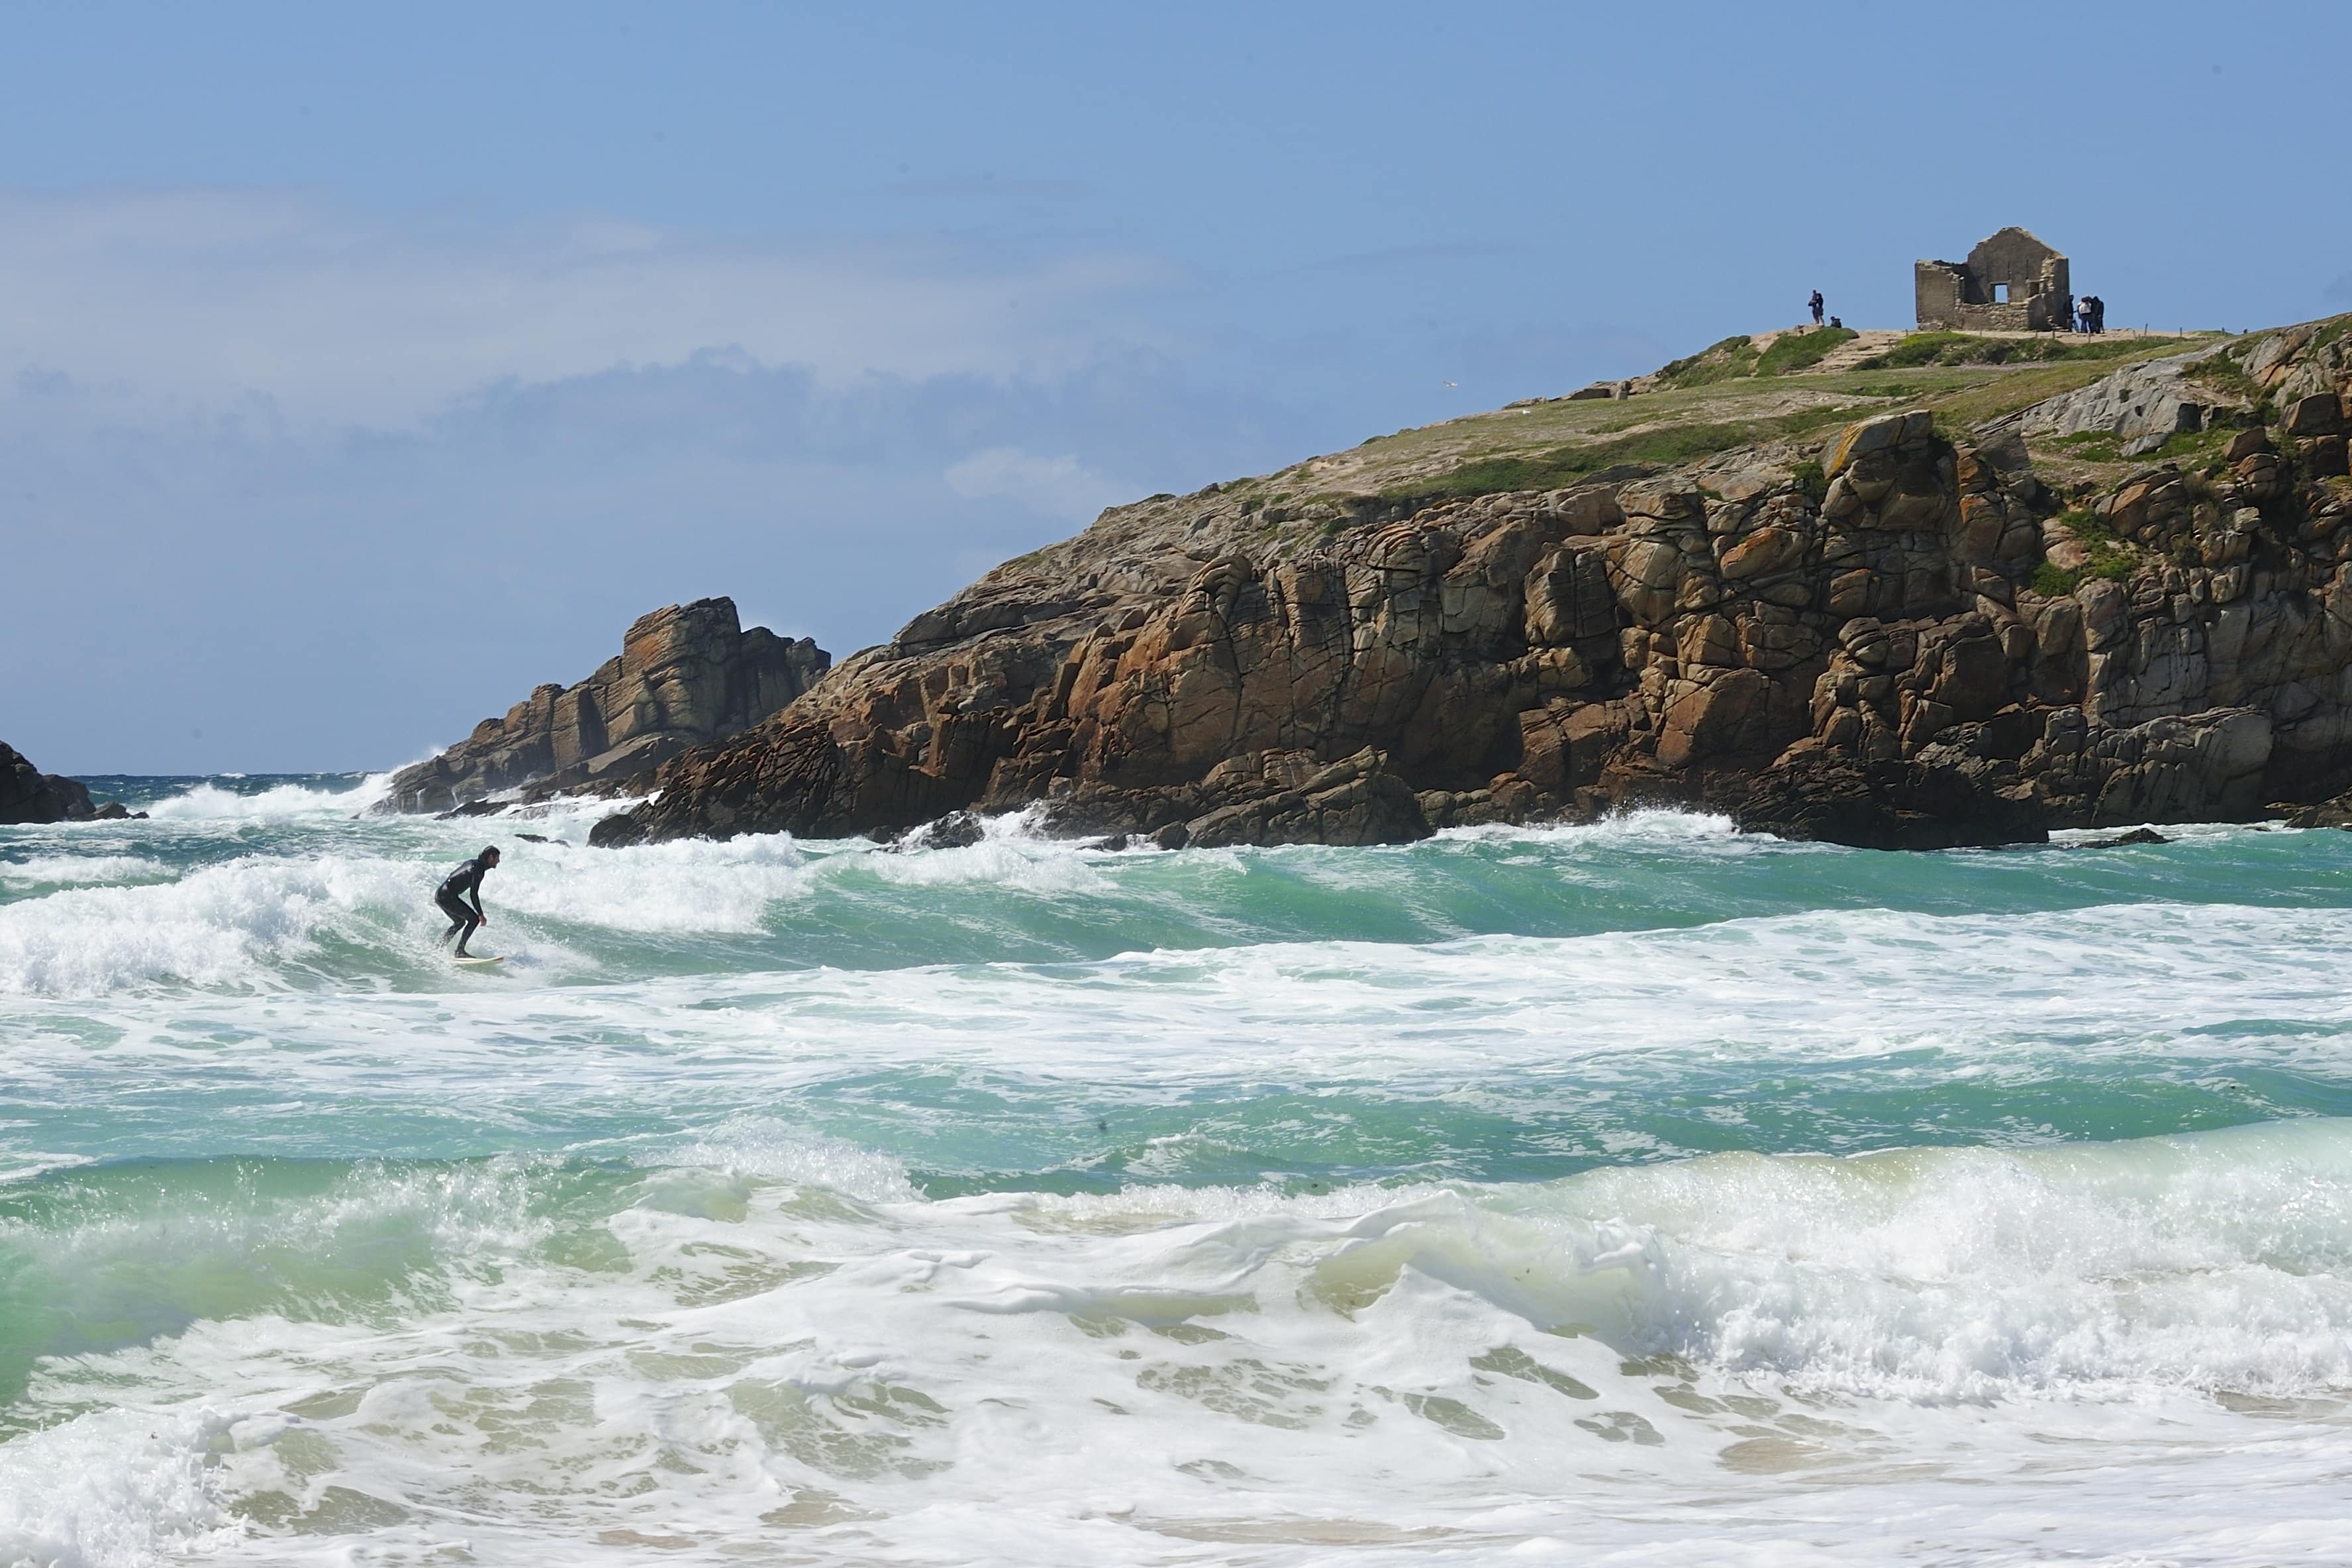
{"x":466,"y":878}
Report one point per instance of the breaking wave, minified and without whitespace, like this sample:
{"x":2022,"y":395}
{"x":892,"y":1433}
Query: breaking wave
{"x":1634,"y":1191}
{"x":770,"y":1325}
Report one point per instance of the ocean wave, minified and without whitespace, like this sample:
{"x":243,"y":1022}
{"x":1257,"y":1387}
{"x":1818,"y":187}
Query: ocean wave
{"x":2206,"y":1261}
{"x":725,"y":1336}
{"x":79,"y":870}
{"x":114,"y":1489}
{"x":1640,"y":827}
{"x":771,"y":1148}
{"x":686,"y":884}
{"x":209,"y":802}
{"x":231,"y":924}
{"x":1011,"y":860}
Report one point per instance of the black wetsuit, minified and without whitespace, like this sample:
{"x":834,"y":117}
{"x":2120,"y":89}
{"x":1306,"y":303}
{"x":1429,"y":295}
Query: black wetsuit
{"x":466,"y":878}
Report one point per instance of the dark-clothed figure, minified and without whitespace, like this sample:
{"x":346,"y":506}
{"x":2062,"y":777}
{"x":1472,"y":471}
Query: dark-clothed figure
{"x":1816,"y":301}
{"x":465,"y":880}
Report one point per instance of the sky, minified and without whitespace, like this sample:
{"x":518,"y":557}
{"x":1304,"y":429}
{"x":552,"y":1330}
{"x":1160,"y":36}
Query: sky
{"x":362,"y":367}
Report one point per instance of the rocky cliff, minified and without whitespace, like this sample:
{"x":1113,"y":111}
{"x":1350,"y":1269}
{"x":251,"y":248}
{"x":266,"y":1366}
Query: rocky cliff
{"x":1922,"y":609}
{"x":687,"y":675}
{"x":28,"y":794}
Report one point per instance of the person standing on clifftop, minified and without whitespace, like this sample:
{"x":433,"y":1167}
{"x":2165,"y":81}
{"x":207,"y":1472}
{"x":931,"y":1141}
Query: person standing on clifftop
{"x":466,"y":878}
{"x":1817,"y":303}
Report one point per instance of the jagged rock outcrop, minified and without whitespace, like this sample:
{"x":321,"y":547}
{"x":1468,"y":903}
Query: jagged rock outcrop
{"x":30,"y":795}
{"x":1871,"y":639}
{"x":687,"y":675}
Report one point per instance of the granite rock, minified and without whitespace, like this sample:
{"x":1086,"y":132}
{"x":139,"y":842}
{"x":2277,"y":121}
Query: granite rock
{"x":1881,"y":637}
{"x":687,"y":675}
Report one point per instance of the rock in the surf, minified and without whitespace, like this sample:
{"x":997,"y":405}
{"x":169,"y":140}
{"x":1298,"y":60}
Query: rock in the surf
{"x":30,"y":795}
{"x":956,"y":830}
{"x":687,"y":675}
{"x":2332,"y":813}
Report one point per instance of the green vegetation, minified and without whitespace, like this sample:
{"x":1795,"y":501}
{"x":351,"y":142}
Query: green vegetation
{"x":2092,"y":446}
{"x":1718,"y":362}
{"x":2186,"y":447}
{"x":1564,"y":465}
{"x":1793,"y":351}
{"x":1737,"y":359}
{"x":1920,"y":349}
{"x":1724,"y":404}
{"x":2224,"y":374}
{"x":1928,"y":348}
{"x":1811,"y":479}
{"x":2054,"y":582}
{"x":2111,"y":559}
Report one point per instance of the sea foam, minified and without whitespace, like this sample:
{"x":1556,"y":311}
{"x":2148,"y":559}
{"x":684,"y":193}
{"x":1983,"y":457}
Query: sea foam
{"x":230,"y":924}
{"x":694,"y":1353}
{"x":1640,"y":1193}
{"x":210,"y":802}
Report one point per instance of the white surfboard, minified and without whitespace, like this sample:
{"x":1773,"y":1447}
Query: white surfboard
{"x":476,"y":961}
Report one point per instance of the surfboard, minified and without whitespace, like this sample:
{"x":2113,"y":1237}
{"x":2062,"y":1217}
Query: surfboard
{"x":475,"y":961}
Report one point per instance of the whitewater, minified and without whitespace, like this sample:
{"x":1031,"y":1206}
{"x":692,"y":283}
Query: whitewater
{"x":1638,"y":1192}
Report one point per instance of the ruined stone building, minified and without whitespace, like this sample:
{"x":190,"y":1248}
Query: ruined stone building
{"x":2010,"y":282}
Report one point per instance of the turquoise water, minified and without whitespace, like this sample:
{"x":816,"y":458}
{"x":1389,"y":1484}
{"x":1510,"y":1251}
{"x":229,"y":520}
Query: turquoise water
{"x":1036,"y":1202}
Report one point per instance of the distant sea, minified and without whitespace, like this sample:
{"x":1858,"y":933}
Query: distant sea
{"x":1639,"y":1192}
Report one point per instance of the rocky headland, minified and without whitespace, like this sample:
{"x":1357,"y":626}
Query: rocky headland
{"x":1928,"y":590}
{"x":687,"y":675}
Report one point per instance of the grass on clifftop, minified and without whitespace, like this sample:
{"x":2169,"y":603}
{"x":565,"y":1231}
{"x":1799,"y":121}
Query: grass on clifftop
{"x":1565,"y":464}
{"x":1737,"y":359}
{"x":1554,"y":443}
{"x":1972,"y":348}
{"x":1718,"y":362}
{"x":1794,"y":351}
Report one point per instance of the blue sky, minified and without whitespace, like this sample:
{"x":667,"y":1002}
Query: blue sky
{"x":358,"y":371}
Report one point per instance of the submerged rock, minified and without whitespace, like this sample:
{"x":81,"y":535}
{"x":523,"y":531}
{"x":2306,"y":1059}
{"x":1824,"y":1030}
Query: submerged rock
{"x":956,"y":830}
{"x":2125,"y":840}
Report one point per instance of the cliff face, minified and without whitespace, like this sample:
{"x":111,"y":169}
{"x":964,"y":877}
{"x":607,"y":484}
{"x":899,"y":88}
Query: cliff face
{"x":28,"y":794}
{"x":1884,"y":625}
{"x":687,"y":675}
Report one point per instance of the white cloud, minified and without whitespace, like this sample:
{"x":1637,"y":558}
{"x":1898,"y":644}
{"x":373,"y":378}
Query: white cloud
{"x":215,"y":303}
{"x":1058,"y":487}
